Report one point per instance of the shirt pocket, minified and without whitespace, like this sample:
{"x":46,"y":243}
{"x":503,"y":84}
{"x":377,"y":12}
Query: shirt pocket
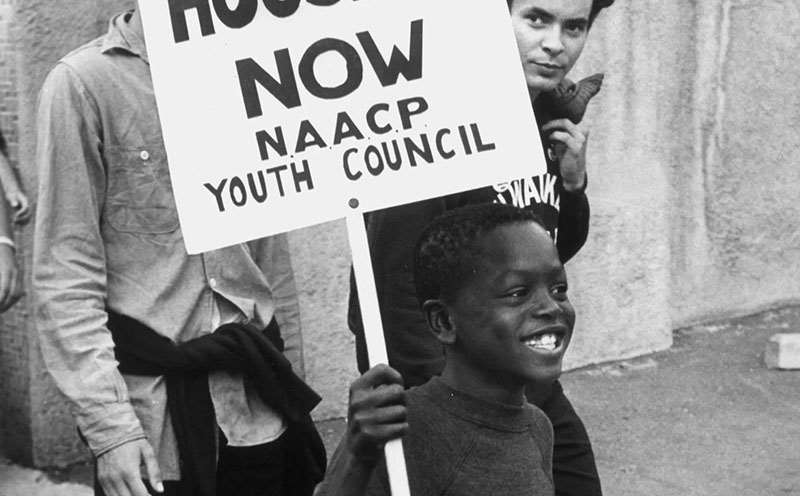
{"x":139,"y":197}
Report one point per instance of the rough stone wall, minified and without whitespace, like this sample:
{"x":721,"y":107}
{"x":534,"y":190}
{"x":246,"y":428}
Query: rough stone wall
{"x":737,"y":249}
{"x":15,"y":429}
{"x":619,"y":282}
{"x":321,"y":262}
{"x":695,"y":135}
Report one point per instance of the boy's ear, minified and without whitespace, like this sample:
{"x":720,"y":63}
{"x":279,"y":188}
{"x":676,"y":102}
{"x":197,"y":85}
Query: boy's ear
{"x":440,"y":321}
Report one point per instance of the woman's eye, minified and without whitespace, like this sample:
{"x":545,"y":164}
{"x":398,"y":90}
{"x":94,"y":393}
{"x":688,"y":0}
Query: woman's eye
{"x":575,"y":29}
{"x":536,"y":20}
{"x":560,"y":290}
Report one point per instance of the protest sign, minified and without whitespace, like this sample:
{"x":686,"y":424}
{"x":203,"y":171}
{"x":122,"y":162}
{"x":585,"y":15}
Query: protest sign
{"x":281,"y":114}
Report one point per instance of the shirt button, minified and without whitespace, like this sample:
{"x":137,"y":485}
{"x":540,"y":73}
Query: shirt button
{"x":212,"y":282}
{"x":145,"y":155}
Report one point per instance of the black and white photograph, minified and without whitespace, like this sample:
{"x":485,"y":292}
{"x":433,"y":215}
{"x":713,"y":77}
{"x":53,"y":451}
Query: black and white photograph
{"x":399,"y":248}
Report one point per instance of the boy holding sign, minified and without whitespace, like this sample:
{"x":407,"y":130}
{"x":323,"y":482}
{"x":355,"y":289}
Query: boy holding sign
{"x":550,"y":35}
{"x":494,"y":295}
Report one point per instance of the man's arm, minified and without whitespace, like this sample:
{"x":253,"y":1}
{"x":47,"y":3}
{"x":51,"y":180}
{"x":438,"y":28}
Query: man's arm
{"x":69,"y":283}
{"x":570,"y":141}
{"x":273,"y":257}
{"x":376,"y":414}
{"x":573,"y":224}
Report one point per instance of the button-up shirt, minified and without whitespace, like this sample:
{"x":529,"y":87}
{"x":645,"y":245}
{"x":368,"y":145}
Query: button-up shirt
{"x":107,"y":236}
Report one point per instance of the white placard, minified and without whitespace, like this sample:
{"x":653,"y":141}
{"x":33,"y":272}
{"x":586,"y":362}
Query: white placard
{"x":280,"y":114}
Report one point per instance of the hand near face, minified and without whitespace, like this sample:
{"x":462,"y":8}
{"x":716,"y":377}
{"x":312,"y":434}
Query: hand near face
{"x":376,"y":413}
{"x":570,"y":142}
{"x":118,"y":470}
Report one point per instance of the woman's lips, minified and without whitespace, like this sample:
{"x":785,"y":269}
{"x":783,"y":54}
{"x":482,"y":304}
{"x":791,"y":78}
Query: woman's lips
{"x":547,"y":68}
{"x":548,"y":65}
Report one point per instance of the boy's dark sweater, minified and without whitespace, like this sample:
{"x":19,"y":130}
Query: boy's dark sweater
{"x":461,"y":445}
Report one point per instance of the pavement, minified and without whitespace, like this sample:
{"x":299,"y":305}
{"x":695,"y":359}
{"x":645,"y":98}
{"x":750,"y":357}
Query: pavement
{"x":20,"y":481}
{"x":705,"y":418}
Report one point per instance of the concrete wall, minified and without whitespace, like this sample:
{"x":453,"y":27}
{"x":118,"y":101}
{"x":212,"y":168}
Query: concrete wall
{"x":321,"y":261}
{"x":620,"y":280}
{"x":693,"y":186}
{"x":737,"y":249}
{"x":13,"y":345}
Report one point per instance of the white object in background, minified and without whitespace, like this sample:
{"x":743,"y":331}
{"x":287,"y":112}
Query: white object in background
{"x":783,"y":351}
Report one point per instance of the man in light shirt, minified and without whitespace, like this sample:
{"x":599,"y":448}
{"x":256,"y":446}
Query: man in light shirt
{"x":108,"y":246}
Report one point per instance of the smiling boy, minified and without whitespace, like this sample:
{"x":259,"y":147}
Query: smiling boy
{"x":550,"y":36}
{"x":494,"y":294}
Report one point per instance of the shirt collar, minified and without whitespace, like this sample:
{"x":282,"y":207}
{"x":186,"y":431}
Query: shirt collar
{"x":120,"y":36}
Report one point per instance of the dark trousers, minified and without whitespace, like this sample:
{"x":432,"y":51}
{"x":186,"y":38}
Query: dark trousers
{"x":241,"y":471}
{"x":574,"y":468}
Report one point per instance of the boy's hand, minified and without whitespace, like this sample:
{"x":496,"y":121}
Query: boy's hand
{"x":376,"y":413}
{"x":570,"y":142}
{"x":9,"y":289}
{"x":119,"y":472}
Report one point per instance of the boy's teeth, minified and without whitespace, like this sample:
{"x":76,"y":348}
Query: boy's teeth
{"x":543,"y":341}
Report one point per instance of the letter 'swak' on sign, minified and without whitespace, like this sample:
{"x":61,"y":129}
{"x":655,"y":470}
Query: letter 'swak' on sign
{"x":278,"y":115}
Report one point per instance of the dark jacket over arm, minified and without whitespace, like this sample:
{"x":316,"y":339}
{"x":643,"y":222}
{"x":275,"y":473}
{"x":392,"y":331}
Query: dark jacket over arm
{"x":232,"y":347}
{"x":573,"y":224}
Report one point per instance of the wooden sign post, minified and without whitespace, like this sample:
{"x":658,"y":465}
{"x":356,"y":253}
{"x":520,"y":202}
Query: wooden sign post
{"x":373,"y":333}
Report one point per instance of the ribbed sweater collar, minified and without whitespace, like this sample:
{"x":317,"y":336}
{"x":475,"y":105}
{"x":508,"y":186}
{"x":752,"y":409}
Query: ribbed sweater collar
{"x":499,"y":416}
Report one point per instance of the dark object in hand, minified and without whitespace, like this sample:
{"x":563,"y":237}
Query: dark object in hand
{"x":569,"y":100}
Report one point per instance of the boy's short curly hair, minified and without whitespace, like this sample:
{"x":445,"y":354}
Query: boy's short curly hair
{"x":597,"y":6}
{"x":444,"y":255}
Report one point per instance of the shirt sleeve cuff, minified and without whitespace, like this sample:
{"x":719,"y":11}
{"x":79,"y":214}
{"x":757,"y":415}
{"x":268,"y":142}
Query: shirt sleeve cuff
{"x":110,"y":427}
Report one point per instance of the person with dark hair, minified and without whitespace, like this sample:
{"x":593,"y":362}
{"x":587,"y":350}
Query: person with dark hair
{"x":597,"y":6}
{"x":10,"y":290}
{"x":15,"y":196}
{"x":550,"y":36}
{"x":494,"y":295}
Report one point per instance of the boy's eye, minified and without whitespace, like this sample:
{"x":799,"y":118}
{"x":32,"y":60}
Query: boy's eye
{"x":520,"y":292}
{"x":560,"y":290}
